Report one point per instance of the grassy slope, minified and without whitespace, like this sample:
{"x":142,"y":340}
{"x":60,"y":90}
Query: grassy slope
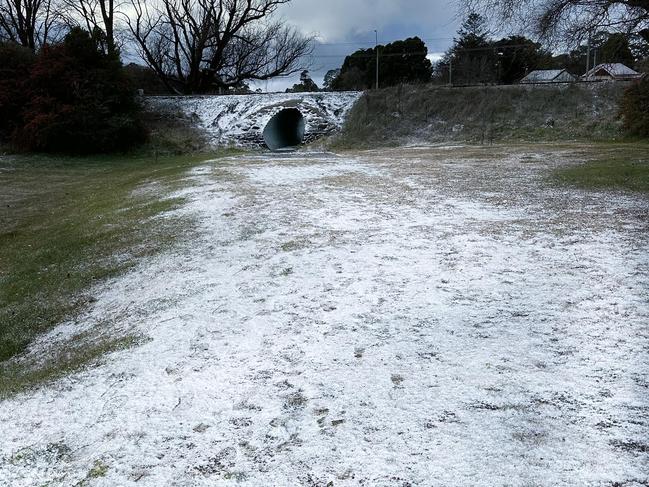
{"x":429,"y":113}
{"x":66,"y":225}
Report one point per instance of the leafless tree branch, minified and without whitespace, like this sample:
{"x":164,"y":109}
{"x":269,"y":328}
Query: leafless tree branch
{"x":30,"y":23}
{"x":201,"y":45}
{"x":568,"y":20}
{"x":95,"y":16}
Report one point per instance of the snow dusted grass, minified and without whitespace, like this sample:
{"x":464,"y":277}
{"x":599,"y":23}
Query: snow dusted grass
{"x":413,"y":316}
{"x":66,"y":226}
{"x":430,"y":113}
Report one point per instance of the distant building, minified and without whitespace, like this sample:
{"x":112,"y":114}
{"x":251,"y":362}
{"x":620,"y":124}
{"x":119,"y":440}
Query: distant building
{"x":548,"y":76}
{"x":611,"y":72}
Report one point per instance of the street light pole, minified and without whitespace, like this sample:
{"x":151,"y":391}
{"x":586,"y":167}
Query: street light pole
{"x":588,"y":54}
{"x":376,"y":46}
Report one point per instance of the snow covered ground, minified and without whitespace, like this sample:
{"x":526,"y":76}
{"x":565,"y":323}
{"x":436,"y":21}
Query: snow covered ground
{"x":420,"y":316}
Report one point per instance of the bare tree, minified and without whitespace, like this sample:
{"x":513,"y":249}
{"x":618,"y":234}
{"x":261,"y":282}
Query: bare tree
{"x":95,"y":16}
{"x":29,"y":23}
{"x":571,"y":20}
{"x":197,"y":46}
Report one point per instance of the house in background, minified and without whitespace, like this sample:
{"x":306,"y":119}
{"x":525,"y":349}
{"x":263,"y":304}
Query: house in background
{"x":611,"y":72}
{"x":548,"y":76}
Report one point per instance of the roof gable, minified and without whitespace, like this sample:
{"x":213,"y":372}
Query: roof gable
{"x":614,"y":70}
{"x":545,"y":75}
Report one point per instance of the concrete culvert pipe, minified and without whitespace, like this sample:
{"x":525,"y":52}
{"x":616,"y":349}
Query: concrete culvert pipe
{"x":285,"y":129}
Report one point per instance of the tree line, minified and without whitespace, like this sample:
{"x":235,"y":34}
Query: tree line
{"x":68,"y":97}
{"x":476,"y":58}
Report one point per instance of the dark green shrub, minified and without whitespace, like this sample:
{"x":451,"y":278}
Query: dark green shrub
{"x":634,"y":109}
{"x":15,"y":66}
{"x":79,"y":101}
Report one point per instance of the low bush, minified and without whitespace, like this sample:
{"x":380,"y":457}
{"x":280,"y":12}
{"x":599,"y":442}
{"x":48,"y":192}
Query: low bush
{"x":634,"y":109}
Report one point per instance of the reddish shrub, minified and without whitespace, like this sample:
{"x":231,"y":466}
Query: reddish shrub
{"x":78,"y":101}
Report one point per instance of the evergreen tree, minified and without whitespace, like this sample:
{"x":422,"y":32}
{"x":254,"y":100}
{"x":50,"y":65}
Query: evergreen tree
{"x":306,"y":85}
{"x":615,"y":49}
{"x":329,"y":78}
{"x":403,"y":61}
{"x":473,"y":33}
{"x":472,"y":58}
{"x":517,"y":56}
{"x":574,"y":61}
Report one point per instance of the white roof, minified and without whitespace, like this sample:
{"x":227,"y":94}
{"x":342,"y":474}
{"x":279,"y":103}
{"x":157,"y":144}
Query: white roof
{"x":541,"y":75}
{"x":614,"y":69}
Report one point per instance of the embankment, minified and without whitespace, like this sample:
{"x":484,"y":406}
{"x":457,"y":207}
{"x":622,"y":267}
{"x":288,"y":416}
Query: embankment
{"x":426,"y":113}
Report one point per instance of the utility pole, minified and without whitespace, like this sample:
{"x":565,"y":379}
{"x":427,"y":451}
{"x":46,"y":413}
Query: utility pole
{"x":588,"y":56}
{"x":376,"y":46}
{"x":499,"y":56}
{"x":450,"y":72}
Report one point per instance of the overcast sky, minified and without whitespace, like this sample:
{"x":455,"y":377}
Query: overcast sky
{"x":343,"y":26}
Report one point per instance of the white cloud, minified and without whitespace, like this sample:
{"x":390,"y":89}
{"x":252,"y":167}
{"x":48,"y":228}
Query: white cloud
{"x":435,"y":57}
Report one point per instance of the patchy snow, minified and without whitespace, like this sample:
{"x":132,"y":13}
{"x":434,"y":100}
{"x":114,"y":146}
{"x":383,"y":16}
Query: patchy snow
{"x":388,"y":318}
{"x":241,"y":119}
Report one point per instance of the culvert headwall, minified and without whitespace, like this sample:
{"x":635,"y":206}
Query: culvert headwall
{"x":250,"y":120}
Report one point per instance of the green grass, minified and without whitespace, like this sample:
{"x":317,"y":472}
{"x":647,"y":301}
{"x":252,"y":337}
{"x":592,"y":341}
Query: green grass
{"x":623,"y":167}
{"x":99,"y":470}
{"x":67,"y":224}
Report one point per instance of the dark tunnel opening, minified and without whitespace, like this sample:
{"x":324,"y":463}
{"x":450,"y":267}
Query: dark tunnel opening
{"x":285,"y":129}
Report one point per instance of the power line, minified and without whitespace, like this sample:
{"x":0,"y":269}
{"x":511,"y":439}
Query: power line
{"x":370,"y":43}
{"x":419,"y":53}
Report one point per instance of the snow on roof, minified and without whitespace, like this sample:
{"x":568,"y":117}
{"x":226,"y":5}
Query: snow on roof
{"x":543,"y":75}
{"x":613,"y":69}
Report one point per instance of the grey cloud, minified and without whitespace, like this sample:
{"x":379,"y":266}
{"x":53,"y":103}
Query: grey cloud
{"x":340,"y":20}
{"x":342,"y":26}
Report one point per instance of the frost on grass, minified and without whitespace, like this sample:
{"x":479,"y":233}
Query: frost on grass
{"x":405,"y":317}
